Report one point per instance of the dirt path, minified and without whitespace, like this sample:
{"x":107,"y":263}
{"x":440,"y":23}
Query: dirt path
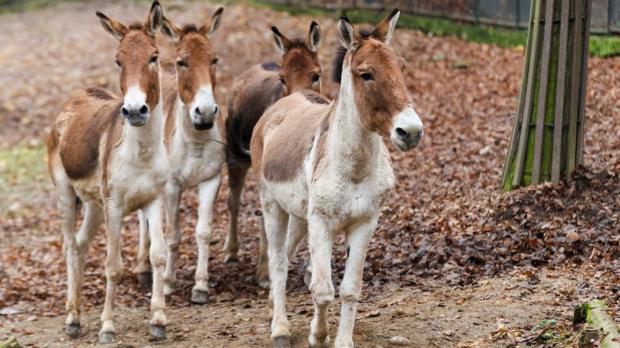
{"x":492,"y":313}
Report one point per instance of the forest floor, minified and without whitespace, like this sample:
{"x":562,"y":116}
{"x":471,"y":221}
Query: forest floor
{"x":454,"y":261}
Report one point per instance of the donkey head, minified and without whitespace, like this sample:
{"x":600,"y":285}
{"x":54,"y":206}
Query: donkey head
{"x":137,"y":58}
{"x":300,"y":62}
{"x":374,"y":74}
{"x":195,"y":62}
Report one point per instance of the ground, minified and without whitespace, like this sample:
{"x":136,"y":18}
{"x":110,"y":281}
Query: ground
{"x":454,"y":261}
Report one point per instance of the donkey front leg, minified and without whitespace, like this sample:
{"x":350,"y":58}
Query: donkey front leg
{"x":154,"y":215}
{"x":207,"y":192}
{"x":113,"y":271}
{"x":173,"y":234}
{"x":351,"y":287}
{"x":275,"y":221}
{"x":321,"y":241}
{"x":143,"y":268}
{"x":236,"y":179}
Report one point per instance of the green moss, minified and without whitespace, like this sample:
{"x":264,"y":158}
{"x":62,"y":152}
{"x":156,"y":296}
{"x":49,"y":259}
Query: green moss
{"x":600,"y":45}
{"x":22,"y":165}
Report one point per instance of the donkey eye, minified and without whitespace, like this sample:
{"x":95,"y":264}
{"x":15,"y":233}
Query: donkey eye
{"x":181,"y":64}
{"x":118,"y":62}
{"x":367,"y":77}
{"x":215,"y":60}
{"x":153,"y":59}
{"x":316,"y":78}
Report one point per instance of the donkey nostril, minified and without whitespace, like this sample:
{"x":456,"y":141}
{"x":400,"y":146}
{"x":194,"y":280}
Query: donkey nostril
{"x":124,"y":111}
{"x":144,"y":109}
{"x":216,"y":109}
{"x":401,"y":132}
{"x":197,"y":111}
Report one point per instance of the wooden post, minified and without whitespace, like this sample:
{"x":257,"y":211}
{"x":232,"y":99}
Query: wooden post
{"x":547,"y":138}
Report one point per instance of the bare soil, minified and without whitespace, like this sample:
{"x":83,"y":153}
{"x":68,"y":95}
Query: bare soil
{"x":491,"y":313}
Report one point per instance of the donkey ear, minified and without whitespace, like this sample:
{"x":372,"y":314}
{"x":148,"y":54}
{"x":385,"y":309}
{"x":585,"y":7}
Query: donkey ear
{"x":215,"y":20}
{"x":314,"y":36}
{"x":282,"y":43}
{"x":384,"y":30}
{"x":170,"y":31}
{"x":346,"y":34}
{"x":111,"y":26}
{"x":155,"y":18}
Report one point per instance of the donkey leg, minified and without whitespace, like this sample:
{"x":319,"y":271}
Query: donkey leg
{"x":207,"y":192}
{"x":236,"y":180}
{"x":173,"y":235}
{"x":154,"y":214}
{"x":297,"y":230}
{"x":262,"y":265}
{"x":113,"y":271}
{"x":143,"y":268}
{"x":93,"y":217}
{"x":67,"y":206}
{"x":321,"y":241}
{"x":275,"y":220}
{"x":351,"y":287}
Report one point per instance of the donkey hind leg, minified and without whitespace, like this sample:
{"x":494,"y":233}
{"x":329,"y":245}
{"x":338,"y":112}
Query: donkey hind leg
{"x":236,"y":179}
{"x":143,"y":268}
{"x":154,"y":214}
{"x":173,"y":235}
{"x":93,"y":217}
{"x":67,"y":207}
{"x":207,"y":192}
{"x":275,"y":220}
{"x":297,"y":230}
{"x":351,"y":287}
{"x":321,"y":241}
{"x":262,"y":265}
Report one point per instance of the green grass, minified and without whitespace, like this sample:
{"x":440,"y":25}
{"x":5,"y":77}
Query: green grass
{"x":22,"y":165}
{"x":600,"y":45}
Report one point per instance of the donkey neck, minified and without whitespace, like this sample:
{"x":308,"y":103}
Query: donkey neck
{"x":351,"y":148}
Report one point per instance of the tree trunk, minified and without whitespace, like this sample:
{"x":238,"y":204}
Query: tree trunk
{"x":547,"y":138}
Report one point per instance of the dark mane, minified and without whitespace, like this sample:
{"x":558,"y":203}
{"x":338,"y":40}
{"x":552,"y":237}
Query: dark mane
{"x":339,"y":58}
{"x":136,"y":26}
{"x":190,"y":28}
{"x":298,"y":43}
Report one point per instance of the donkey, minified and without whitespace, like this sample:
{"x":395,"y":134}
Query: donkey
{"x":194,"y":141}
{"x":323,"y":168}
{"x":251,"y":94}
{"x":108,"y":152}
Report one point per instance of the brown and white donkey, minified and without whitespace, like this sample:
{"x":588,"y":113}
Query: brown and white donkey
{"x":108,"y":151}
{"x":194,"y":138}
{"x":251,"y":94}
{"x":324,"y":168}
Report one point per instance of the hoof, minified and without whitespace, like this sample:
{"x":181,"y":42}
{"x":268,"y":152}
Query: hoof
{"x":73,"y":330}
{"x":282,"y":342}
{"x":200,"y":296}
{"x":263,"y":282}
{"x":231,"y":260}
{"x":146,"y":280}
{"x":158,"y":332}
{"x":107,"y":337}
{"x":316,"y":343}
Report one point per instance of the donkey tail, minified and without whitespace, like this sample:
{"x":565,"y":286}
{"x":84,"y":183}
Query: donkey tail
{"x":236,"y":152}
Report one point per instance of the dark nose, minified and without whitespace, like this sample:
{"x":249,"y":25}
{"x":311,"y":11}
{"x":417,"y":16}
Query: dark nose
{"x":200,"y":112}
{"x":134,"y":111}
{"x":411,"y":137}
